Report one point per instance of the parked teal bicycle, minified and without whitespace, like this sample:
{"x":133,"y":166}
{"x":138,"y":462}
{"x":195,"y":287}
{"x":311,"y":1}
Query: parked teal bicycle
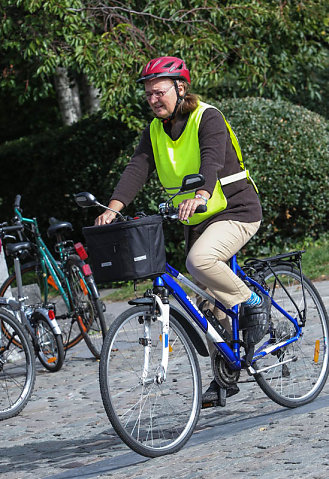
{"x":65,"y":284}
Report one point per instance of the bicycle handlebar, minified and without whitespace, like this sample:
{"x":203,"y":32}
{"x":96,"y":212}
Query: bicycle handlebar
{"x":4,"y":229}
{"x":171,"y":213}
{"x":201,"y":209}
{"x":17,"y":203}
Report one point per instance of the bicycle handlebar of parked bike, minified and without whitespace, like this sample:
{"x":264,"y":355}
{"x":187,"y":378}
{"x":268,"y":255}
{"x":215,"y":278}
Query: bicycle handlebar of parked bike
{"x":17,"y":203}
{"x":5,"y":229}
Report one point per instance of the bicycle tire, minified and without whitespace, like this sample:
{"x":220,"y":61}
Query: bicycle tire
{"x":50,"y":350}
{"x":90,"y":316}
{"x":33,"y":291}
{"x":17,"y":366}
{"x":298,"y":371}
{"x":167,"y":413}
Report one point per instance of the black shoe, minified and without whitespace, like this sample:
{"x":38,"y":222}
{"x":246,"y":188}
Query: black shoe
{"x":214,"y":391}
{"x":254,"y":320}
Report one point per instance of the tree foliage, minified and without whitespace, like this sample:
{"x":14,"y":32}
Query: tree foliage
{"x":233,"y":48}
{"x":285,"y":147}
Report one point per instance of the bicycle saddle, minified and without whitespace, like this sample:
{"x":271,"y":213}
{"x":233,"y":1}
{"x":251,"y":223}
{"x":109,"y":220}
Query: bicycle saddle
{"x":59,"y":227}
{"x":15,"y":248}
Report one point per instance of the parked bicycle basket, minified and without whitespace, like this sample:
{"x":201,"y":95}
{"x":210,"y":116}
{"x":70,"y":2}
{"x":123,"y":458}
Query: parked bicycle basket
{"x":128,"y":250}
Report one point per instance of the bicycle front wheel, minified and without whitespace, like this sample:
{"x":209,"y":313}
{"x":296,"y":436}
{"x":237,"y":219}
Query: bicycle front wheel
{"x":50,"y":345}
{"x":88,"y":309}
{"x":34,"y":292}
{"x":152,"y":419}
{"x":17,"y":366}
{"x":295,"y":374}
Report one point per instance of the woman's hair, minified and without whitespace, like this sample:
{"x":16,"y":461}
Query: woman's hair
{"x":190,"y":101}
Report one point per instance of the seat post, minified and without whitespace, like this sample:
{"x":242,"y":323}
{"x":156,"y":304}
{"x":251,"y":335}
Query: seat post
{"x":18,"y":273}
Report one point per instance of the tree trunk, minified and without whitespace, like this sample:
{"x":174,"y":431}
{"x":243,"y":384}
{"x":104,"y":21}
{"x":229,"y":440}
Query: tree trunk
{"x":68,"y":96}
{"x":91,"y":96}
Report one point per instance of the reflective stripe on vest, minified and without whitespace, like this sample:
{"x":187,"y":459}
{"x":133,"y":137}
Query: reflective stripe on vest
{"x":176,"y":158}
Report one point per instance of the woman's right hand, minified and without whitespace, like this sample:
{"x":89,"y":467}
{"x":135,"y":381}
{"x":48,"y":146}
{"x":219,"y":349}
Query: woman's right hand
{"x":108,"y":216}
{"x":105,"y":219}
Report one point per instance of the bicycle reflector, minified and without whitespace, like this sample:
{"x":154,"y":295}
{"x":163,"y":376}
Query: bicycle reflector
{"x":79,"y":248}
{"x":51,"y":314}
{"x":86,"y":270}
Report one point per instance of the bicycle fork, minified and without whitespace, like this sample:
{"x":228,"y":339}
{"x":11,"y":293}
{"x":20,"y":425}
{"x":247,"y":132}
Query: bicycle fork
{"x":161,"y":373}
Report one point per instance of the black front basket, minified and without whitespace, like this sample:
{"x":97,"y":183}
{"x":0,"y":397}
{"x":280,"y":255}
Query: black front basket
{"x":126,"y":250}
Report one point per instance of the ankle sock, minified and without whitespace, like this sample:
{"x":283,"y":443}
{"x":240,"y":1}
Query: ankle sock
{"x":254,"y":300}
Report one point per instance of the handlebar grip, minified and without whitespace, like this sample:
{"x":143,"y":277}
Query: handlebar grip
{"x":17,"y":203}
{"x":201,"y":209}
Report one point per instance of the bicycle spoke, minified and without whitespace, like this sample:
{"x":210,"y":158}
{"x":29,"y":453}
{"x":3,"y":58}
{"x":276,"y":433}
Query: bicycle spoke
{"x":295,"y":375}
{"x":153,"y":418}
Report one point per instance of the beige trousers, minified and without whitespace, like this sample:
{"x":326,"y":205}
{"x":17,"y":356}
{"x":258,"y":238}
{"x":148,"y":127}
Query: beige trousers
{"x":206,"y":262}
{"x":207,"y":258}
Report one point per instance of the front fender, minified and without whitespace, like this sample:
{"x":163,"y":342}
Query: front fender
{"x":193,"y":334}
{"x":42,"y":313}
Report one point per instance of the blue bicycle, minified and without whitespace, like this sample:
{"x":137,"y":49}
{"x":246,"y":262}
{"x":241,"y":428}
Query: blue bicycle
{"x":149,"y":372}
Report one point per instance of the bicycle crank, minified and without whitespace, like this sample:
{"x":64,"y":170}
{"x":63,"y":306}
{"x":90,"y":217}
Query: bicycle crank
{"x":224,"y":376}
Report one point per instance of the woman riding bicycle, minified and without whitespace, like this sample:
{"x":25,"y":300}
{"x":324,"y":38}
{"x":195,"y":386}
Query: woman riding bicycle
{"x":189,"y":136}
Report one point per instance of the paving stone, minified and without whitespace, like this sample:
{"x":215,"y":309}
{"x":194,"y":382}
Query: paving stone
{"x":64,"y":433}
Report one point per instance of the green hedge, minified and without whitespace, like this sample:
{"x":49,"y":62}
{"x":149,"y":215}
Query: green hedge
{"x":47,"y":169}
{"x":286,"y":148}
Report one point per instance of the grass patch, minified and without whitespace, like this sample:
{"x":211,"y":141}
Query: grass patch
{"x":126,"y":291}
{"x":316,"y":263}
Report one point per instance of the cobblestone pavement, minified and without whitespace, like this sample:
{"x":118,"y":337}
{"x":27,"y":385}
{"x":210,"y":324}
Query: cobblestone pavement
{"x":64,"y":433}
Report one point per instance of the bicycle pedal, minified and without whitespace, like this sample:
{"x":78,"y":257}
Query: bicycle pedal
{"x":221,"y":401}
{"x":209,"y":404}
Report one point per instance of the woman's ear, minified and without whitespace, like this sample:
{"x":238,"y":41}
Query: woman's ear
{"x":182,"y":88}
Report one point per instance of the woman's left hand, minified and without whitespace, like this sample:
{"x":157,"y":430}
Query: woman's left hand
{"x":187,"y":208}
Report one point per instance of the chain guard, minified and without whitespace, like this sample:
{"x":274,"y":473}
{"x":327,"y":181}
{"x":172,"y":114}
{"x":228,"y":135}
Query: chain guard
{"x":224,"y":376}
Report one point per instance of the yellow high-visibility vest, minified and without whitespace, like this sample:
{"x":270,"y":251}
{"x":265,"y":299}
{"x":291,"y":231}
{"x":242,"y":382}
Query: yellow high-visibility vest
{"x":175,"y":159}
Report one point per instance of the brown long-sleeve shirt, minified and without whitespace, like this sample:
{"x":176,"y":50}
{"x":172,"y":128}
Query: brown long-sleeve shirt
{"x":218,"y":160}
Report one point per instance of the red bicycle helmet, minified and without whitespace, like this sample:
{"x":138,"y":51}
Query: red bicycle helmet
{"x":171,"y":67}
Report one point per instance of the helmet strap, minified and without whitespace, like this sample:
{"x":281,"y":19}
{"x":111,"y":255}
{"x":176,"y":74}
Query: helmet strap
{"x":178,"y":102}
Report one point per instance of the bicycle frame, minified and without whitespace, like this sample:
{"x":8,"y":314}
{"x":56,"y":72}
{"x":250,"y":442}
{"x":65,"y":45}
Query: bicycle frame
{"x":48,"y":263}
{"x":230,"y":354}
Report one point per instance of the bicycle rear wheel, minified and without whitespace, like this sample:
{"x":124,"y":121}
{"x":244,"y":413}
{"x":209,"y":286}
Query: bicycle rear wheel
{"x":153,"y":419}
{"x":297,"y":372}
{"x":34,"y":292}
{"x":88,"y":309}
{"x":51,"y":349}
{"x":17,"y":366}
